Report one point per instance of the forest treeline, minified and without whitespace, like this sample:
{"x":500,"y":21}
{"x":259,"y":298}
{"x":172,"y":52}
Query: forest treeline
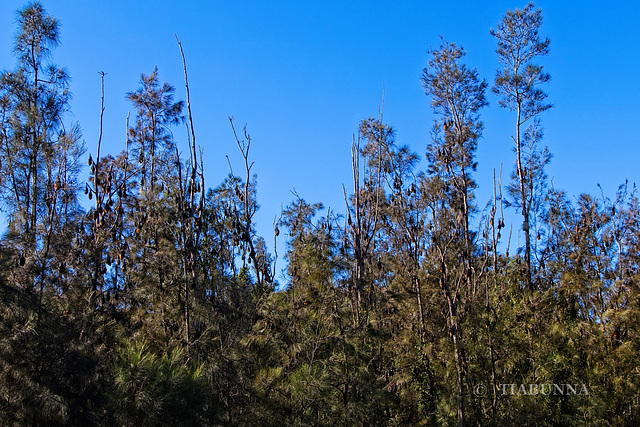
{"x":157,"y":303}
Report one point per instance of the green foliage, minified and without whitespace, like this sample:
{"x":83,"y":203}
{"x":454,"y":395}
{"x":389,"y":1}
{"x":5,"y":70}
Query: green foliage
{"x":154,"y":389}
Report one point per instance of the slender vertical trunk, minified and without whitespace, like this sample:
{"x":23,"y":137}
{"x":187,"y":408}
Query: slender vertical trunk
{"x":456,"y":335}
{"x":465,"y":213}
{"x":152,"y":174}
{"x":494,"y":243}
{"x":524,"y":201}
{"x":187,"y":332}
{"x":357,"y":248}
{"x":458,"y":356}
{"x":34,"y":159}
{"x":467,"y":238}
{"x":418,"y":290}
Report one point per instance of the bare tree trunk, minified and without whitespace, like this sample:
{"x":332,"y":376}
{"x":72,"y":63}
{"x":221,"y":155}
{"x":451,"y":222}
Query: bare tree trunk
{"x":524,"y":200}
{"x":454,"y":330}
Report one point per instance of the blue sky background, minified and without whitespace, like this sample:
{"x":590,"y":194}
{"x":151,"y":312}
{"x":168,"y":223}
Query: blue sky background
{"x":303,"y":74}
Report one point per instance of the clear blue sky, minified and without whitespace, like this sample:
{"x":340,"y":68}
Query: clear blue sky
{"x":302,"y":75}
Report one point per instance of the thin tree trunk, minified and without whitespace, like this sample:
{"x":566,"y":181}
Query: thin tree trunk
{"x":524,"y":201}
